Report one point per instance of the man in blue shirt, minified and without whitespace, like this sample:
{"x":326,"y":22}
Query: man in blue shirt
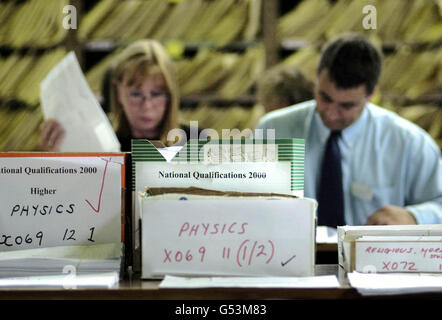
{"x":391,"y":169}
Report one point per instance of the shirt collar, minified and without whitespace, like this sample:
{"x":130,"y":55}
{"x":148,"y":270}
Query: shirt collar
{"x":323,"y":131}
{"x":349,"y":134}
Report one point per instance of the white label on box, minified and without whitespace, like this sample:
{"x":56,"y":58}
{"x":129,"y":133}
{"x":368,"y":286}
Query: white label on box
{"x":60,"y":200}
{"x":228,"y":237}
{"x":399,"y":256}
{"x":241,"y":176}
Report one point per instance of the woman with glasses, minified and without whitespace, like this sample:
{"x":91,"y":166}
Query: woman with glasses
{"x":144,"y":99}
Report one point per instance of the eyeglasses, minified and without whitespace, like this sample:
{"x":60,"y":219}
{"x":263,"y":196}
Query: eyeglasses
{"x":156,"y":97}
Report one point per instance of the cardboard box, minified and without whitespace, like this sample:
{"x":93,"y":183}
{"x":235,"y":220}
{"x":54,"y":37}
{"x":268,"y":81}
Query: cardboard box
{"x":386,"y":237}
{"x":234,"y":236}
{"x":232,"y":165}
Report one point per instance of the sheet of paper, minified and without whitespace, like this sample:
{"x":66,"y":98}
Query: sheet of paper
{"x":250,"y":282}
{"x":67,"y":98}
{"x":326,"y":235}
{"x":60,"y":200}
{"x":59,"y":261}
{"x":223,"y":177}
{"x":67,"y":281}
{"x":395,"y":284}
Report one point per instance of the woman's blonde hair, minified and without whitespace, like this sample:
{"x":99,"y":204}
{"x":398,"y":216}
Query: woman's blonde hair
{"x":144,"y":57}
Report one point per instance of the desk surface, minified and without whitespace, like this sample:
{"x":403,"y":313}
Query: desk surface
{"x":148,"y":289}
{"x":137,"y":289}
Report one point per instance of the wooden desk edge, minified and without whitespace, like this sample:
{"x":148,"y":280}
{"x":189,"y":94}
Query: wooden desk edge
{"x":149,"y":290}
{"x":179,"y":294}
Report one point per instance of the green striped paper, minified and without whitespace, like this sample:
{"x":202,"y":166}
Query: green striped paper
{"x":292,"y":150}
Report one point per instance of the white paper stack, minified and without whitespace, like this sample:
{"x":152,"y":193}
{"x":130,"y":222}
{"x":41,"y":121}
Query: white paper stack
{"x":395,"y":284}
{"x":108,"y":279}
{"x":62,"y":261}
{"x":250,"y":282}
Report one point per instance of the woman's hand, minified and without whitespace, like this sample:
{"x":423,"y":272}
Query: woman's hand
{"x":51,"y":135}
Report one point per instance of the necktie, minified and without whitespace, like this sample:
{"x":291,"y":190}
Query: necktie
{"x":330,"y":195}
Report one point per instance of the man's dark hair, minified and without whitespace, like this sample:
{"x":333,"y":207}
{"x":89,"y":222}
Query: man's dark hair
{"x":351,"y":60}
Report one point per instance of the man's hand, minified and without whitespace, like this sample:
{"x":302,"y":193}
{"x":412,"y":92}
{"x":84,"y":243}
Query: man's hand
{"x":391,"y":215}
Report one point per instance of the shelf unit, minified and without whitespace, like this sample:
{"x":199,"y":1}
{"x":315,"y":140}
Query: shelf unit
{"x":278,"y":33}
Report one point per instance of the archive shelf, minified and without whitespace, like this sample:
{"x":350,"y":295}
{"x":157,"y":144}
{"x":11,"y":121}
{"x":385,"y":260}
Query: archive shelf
{"x":266,"y":34}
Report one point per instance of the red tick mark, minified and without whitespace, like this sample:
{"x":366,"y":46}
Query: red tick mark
{"x":101,"y":189}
